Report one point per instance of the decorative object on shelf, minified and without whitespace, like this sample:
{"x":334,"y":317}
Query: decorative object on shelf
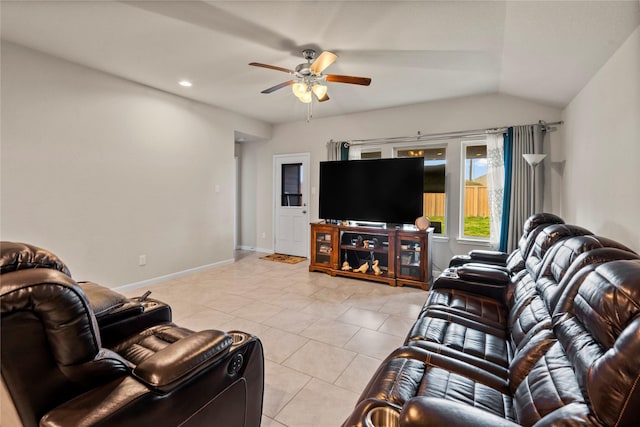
{"x":534,"y":160}
{"x":346,"y":266}
{"x":324,"y":249}
{"x":363,"y":268}
{"x":376,"y":270}
{"x":359,"y":241}
{"x":422,"y":223}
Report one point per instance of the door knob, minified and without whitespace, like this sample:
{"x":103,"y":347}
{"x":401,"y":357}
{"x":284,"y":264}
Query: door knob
{"x":304,"y":212}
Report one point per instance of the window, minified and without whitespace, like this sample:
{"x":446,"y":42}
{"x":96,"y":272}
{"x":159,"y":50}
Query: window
{"x":474,"y":209}
{"x":291,"y":194}
{"x":435,"y":200}
{"x":371,"y":155}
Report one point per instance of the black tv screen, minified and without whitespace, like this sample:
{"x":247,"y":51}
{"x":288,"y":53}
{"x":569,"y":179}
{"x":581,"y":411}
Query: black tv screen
{"x":377,"y":190}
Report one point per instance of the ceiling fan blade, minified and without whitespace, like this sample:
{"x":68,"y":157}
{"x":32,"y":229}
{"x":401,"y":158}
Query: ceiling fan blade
{"x":280,"y":86}
{"x":364,"y":81}
{"x":271,"y":67}
{"x":325,"y":59}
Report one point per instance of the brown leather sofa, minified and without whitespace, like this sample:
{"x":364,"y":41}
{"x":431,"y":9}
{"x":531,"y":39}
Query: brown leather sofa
{"x":57,"y":371}
{"x":555,"y":344}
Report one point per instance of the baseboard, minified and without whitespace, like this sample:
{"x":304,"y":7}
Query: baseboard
{"x":254,"y":249}
{"x":263,"y":250}
{"x":155,"y":280}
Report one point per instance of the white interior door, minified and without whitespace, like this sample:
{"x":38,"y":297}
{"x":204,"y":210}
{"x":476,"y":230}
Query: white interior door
{"x":291,"y":190}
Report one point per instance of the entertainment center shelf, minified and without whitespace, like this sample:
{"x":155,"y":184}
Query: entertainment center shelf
{"x":396,"y":257}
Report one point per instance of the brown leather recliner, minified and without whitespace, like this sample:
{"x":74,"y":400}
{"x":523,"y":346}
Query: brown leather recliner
{"x":57,"y":372}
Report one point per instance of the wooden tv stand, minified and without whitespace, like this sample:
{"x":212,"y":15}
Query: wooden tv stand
{"x":404,"y":256}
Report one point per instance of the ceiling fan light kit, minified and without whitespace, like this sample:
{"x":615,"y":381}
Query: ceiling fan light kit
{"x":308,"y":77}
{"x":320,"y":90}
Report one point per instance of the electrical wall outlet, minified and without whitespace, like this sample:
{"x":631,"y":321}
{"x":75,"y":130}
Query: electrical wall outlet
{"x":142,"y":260}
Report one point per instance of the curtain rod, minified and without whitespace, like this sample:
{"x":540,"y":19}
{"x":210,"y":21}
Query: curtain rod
{"x":446,"y":135}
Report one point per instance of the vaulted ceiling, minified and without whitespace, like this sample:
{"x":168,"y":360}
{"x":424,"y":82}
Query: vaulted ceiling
{"x":414,"y":51}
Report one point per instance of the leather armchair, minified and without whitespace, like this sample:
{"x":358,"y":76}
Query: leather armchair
{"x":58,"y":373}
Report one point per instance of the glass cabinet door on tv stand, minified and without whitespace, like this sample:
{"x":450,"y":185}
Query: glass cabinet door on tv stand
{"x":324,"y":257}
{"x":414,"y":258}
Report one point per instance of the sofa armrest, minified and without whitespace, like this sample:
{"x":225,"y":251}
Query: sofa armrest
{"x":493,"y":257}
{"x":422,"y":411}
{"x":483,"y":274}
{"x":178,"y":362}
{"x":485,"y":281}
{"x":108,"y":305}
{"x":360,"y":413}
{"x":496,"y":258}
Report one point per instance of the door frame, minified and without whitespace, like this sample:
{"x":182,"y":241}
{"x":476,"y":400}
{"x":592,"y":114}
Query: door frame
{"x":306,"y":187}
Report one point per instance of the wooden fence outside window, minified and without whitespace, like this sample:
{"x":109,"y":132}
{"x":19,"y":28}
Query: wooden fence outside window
{"x":476,"y":202}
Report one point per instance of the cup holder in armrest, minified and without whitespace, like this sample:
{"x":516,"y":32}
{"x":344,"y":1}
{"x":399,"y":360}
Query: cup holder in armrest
{"x":382,"y":416}
{"x":150,"y":304}
{"x":450,"y":272}
{"x":238,"y":337}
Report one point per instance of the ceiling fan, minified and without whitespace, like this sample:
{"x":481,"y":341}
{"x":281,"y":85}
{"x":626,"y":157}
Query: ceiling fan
{"x":308,"y":76}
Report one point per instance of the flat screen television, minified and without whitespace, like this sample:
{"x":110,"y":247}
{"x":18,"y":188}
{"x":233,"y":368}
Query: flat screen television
{"x":376,"y":190}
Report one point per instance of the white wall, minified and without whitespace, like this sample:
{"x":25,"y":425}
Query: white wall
{"x":100,"y":170}
{"x":602,"y":149}
{"x":449,"y":115}
{"x":247,"y":203}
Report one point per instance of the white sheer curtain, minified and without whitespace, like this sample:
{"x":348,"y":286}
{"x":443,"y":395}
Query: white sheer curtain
{"x":334,"y":150}
{"x":355,"y":152}
{"x":495,"y":185}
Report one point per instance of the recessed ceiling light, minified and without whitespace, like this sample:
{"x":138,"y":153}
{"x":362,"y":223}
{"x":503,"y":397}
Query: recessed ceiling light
{"x":185,"y":83}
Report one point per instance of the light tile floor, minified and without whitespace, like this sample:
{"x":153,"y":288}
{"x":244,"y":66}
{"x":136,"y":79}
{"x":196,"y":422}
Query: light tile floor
{"x":323,"y":336}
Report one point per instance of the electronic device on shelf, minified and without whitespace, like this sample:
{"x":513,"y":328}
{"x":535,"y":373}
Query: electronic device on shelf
{"x":375,"y":190}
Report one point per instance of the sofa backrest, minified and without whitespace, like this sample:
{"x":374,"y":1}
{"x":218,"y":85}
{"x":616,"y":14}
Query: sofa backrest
{"x":588,"y":349}
{"x":597,"y":324}
{"x":545,"y":240}
{"x":564,"y":259}
{"x":532,"y":226}
{"x":22,"y":256}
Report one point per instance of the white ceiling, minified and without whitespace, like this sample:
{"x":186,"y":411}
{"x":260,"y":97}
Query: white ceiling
{"x":414,"y":51}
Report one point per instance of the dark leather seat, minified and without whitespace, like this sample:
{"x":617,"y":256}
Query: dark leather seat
{"x":569,"y":336}
{"x":58,"y":372}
